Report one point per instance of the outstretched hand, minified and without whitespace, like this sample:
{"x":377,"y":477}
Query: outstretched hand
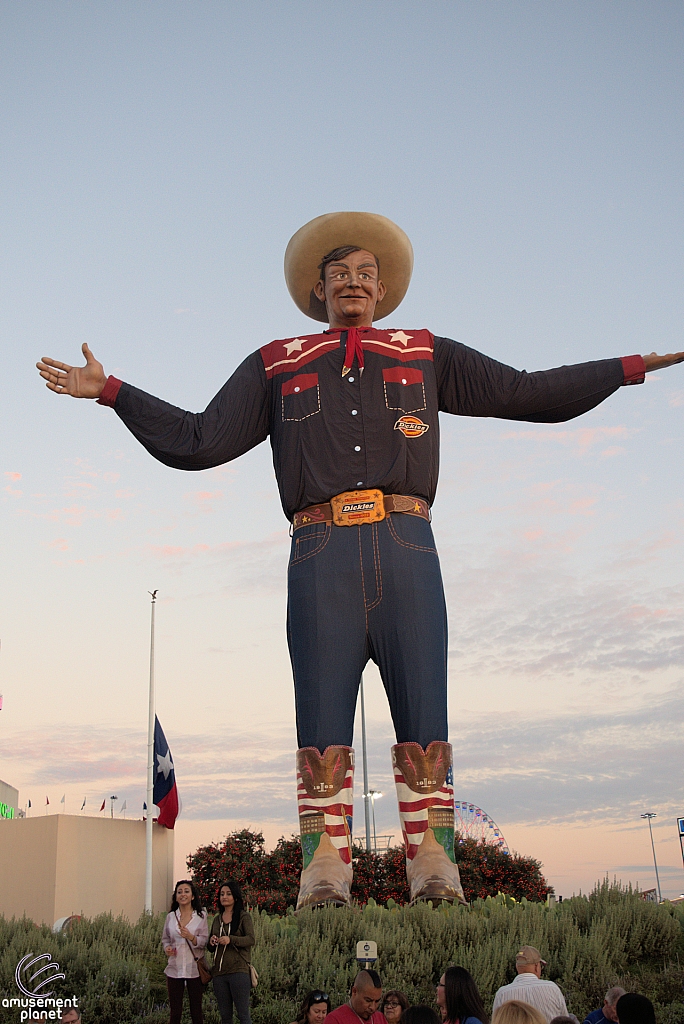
{"x":78,"y":381}
{"x":655,"y":362}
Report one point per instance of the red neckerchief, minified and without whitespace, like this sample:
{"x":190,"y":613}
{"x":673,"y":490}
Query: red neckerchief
{"x":354,"y":348}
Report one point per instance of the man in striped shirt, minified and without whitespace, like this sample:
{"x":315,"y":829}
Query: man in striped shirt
{"x":529,"y":987}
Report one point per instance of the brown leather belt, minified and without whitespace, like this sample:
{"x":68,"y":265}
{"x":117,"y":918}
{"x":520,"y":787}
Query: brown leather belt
{"x":355,"y":507}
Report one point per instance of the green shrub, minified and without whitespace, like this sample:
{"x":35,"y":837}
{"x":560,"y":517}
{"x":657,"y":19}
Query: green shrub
{"x":590,"y":942}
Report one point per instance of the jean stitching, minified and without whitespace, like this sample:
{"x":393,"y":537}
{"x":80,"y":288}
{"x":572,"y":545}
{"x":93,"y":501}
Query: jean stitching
{"x":406,"y":544}
{"x":378,"y":569}
{"x":363,"y":579}
{"x":316,"y":551}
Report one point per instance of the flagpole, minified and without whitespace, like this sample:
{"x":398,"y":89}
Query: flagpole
{"x":150,"y":768}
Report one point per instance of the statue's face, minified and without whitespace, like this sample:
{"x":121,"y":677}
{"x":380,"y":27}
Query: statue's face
{"x":351,"y":290}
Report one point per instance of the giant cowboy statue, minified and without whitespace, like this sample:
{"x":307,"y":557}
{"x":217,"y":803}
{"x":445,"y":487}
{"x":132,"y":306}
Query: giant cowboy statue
{"x":352,"y":416}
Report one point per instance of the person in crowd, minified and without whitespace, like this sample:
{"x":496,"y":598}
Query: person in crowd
{"x":515,"y":1011}
{"x":232,"y":938}
{"x":419,"y":1015}
{"x":184,"y":940}
{"x":70,"y":1015}
{"x":393,"y":1005}
{"x":570,"y":1019}
{"x":315,"y":1008}
{"x":364,"y":1000}
{"x":458,"y":998}
{"x":608,"y":1012}
{"x":529,"y":987}
{"x":633,"y":1008}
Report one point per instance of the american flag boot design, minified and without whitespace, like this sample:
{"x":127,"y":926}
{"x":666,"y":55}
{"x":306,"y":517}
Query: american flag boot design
{"x":425,"y":791}
{"x":325,"y":798}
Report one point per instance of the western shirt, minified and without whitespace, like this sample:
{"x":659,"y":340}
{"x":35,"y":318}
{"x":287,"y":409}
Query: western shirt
{"x":378,"y":428}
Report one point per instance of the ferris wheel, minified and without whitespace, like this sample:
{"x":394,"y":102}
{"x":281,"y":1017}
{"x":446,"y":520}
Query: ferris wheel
{"x":472,"y":823}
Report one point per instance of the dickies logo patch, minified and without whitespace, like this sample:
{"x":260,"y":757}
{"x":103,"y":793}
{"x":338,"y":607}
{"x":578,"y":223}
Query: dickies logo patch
{"x":411,"y":426}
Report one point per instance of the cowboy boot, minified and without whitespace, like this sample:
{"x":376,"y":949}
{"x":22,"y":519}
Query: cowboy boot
{"x":425,"y":791}
{"x":326,"y":803}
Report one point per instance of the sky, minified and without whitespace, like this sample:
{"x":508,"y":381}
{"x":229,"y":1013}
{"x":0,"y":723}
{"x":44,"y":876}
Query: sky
{"x":156,"y":159}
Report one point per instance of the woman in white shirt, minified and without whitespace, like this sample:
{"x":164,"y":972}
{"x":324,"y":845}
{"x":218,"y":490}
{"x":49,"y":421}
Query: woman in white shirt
{"x":184,"y":939}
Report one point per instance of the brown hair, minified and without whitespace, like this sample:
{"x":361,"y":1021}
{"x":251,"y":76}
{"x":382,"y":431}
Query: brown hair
{"x":338,"y":254}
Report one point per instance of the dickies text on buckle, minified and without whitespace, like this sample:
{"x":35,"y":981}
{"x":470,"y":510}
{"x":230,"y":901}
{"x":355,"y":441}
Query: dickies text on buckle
{"x":354,"y":507}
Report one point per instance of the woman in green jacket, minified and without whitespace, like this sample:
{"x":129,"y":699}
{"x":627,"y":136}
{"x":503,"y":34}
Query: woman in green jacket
{"x":232,"y":938}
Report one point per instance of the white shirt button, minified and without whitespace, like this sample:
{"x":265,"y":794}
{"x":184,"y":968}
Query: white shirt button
{"x":297,"y":389}
{"x":350,"y":379}
{"x":357,"y":448}
{"x":403,"y":381}
{"x":359,"y":483}
{"x":354,"y":412}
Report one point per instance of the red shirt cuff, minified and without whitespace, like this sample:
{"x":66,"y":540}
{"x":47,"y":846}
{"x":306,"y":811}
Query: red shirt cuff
{"x":633,"y":368}
{"x":109,"y":392}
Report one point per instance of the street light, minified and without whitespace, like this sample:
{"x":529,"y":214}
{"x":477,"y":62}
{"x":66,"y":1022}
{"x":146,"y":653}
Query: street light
{"x":648,"y":816}
{"x":373,"y":795}
{"x":111,"y":805}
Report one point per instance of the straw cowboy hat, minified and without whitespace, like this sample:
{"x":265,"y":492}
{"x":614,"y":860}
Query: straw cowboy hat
{"x":370,"y":231}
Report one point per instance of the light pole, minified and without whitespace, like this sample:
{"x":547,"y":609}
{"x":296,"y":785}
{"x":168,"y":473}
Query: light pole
{"x":648,"y":816}
{"x":366,"y":809}
{"x":111,"y":805}
{"x":373,"y":795}
{"x":150,"y":766}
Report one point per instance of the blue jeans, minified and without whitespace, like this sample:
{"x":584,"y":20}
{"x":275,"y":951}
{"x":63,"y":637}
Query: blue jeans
{"x":367,"y":592}
{"x":233,"y":990}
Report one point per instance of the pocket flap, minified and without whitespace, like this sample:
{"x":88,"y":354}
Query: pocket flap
{"x":402,"y":375}
{"x":300,"y":383}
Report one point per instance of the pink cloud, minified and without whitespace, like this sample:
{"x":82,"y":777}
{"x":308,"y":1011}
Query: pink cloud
{"x":581,"y":439}
{"x":13,"y":476}
{"x":202,"y":496}
{"x":60,"y":543}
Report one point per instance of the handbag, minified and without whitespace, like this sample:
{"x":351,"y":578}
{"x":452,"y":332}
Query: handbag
{"x":202,"y":965}
{"x":253,"y":973}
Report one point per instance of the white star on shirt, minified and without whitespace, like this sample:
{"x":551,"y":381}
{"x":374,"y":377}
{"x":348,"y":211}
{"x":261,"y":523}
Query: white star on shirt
{"x":165,"y":764}
{"x":402,"y":338}
{"x":294,"y":346}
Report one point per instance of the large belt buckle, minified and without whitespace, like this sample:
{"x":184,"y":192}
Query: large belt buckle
{"x":354,"y":507}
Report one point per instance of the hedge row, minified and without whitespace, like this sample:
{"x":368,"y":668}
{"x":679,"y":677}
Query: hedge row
{"x":610,"y":937}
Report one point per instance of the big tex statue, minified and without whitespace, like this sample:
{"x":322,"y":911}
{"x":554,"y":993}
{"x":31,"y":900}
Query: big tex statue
{"x":352,"y":416}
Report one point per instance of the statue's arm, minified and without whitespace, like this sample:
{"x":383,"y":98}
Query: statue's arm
{"x":472,"y":384}
{"x":235,"y":420}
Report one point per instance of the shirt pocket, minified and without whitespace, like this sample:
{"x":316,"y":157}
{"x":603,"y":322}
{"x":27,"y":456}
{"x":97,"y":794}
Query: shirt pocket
{"x":404,"y":389}
{"x":300,"y":397}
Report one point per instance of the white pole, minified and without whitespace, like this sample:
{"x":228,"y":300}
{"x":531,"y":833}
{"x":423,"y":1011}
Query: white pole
{"x":150,"y":770}
{"x":366,"y":808}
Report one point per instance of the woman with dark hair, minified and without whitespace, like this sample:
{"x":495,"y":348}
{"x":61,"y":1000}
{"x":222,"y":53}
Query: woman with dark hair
{"x":458,"y":998}
{"x":232,"y":937}
{"x":393,"y":1005}
{"x":314,"y":1009}
{"x":184,"y":940}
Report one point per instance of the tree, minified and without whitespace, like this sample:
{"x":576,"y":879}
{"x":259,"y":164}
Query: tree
{"x":270,"y":881}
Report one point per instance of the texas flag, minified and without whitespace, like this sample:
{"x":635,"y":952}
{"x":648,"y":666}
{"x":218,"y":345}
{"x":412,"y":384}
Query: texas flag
{"x":165,"y":792}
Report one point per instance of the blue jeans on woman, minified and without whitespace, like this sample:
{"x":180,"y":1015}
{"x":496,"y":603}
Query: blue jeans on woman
{"x":367,"y":592}
{"x":233,"y":989}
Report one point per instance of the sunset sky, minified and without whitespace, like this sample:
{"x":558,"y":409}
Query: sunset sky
{"x":156,"y":159}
